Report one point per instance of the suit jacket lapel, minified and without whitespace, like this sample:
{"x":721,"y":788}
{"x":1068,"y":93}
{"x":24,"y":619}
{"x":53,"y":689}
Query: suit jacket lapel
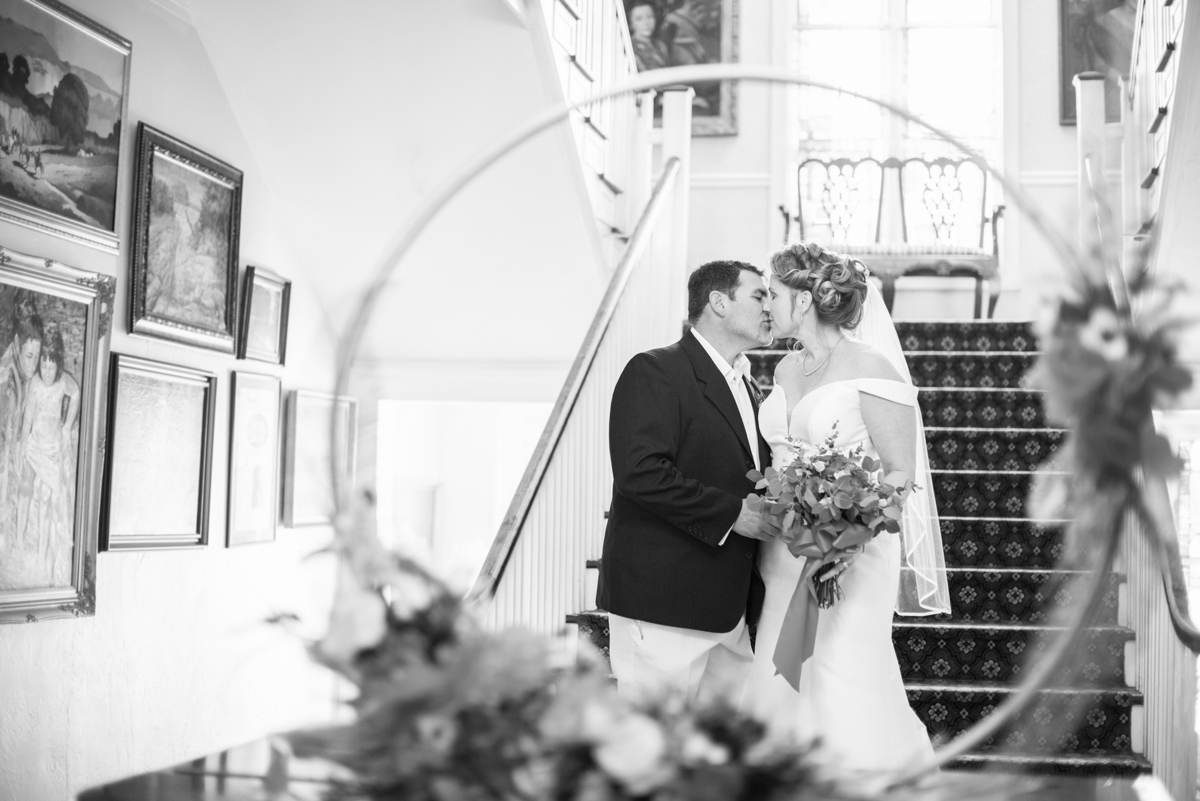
{"x":715,"y":388}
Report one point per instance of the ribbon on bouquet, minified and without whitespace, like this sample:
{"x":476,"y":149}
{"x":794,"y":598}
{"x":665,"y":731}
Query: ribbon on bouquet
{"x":798,"y":636}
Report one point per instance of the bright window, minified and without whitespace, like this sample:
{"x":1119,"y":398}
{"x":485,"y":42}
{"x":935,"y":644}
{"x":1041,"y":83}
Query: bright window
{"x":940,"y":59}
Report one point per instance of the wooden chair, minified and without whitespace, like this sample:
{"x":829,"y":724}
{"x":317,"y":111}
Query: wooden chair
{"x":943,"y":219}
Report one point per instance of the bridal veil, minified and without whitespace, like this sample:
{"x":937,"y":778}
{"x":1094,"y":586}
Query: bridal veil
{"x":923,"y":587}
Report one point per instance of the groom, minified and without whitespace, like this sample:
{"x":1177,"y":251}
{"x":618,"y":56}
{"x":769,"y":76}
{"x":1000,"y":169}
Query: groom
{"x":678,"y":575}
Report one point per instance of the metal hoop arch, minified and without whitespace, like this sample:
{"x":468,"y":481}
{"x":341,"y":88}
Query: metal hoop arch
{"x":429,"y":207}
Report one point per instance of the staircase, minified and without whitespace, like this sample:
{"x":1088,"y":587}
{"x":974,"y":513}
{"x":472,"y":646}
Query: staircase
{"x":986,"y":435}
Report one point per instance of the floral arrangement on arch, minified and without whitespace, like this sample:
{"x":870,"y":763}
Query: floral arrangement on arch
{"x":449,"y":712}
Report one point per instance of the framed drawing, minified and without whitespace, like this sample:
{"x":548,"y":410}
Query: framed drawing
{"x":264,"y":316}
{"x":1094,"y":36}
{"x":186,"y":217}
{"x":253,"y":459}
{"x":54,"y":335}
{"x":677,"y":33}
{"x":316,"y":424}
{"x":64,"y":88}
{"x":158,"y":464}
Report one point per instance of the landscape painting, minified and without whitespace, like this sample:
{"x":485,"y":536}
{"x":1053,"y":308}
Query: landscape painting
{"x":187,"y":211}
{"x":63,"y":87}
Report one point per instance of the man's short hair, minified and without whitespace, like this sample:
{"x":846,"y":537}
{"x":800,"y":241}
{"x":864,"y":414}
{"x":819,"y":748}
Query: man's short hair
{"x":715,"y":276}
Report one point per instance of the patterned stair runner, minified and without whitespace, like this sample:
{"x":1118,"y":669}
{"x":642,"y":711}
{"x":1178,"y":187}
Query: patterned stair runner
{"x":986,"y":433}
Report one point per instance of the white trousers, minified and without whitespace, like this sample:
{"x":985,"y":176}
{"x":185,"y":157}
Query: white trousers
{"x":650,"y":660}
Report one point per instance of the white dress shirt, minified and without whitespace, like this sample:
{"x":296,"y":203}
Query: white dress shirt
{"x":741,"y":395}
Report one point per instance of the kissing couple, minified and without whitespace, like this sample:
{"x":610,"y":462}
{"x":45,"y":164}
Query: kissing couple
{"x":697,"y":583}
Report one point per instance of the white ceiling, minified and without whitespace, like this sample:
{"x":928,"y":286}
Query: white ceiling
{"x":353,"y":109}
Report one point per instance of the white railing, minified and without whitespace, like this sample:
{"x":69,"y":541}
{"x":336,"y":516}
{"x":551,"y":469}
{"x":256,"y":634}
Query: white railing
{"x":588,"y":42}
{"x":533,"y":576}
{"x":1161,"y":665}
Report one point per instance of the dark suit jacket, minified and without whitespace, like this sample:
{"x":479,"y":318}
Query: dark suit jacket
{"x":679,"y":459}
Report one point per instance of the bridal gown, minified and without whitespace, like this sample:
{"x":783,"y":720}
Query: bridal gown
{"x":851,"y":694}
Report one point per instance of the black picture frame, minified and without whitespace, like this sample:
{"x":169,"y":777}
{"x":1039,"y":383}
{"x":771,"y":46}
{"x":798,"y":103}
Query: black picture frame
{"x":158,"y":468}
{"x":184,"y":252}
{"x":266,"y":301}
{"x":47,"y":571}
{"x":67,"y":186}
{"x":254,"y":457}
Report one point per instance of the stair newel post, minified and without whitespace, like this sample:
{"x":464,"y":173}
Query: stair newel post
{"x":1090,"y":136}
{"x":641,"y":157}
{"x":677,"y":143}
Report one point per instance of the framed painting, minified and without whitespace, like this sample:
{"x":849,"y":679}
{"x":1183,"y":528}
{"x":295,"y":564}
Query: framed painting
{"x":186,"y":219}
{"x":158,"y":464}
{"x":677,"y":33}
{"x":1094,"y":36}
{"x":253,"y":459}
{"x":64,"y":89}
{"x":54,"y":336}
{"x":315,"y":425}
{"x":264,"y":316}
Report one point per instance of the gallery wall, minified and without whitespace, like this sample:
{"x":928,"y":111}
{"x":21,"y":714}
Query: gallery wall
{"x":738,"y":182}
{"x":338,"y":143}
{"x":178,"y":660}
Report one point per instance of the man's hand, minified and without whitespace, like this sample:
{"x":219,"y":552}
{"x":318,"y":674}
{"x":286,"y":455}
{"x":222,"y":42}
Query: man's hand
{"x":755,"y":525}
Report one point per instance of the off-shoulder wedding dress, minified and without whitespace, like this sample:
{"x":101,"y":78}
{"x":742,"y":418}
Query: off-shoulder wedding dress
{"x":851,"y":695}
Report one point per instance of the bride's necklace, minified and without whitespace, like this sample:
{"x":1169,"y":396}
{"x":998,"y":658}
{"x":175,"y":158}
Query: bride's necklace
{"x":822,"y":362}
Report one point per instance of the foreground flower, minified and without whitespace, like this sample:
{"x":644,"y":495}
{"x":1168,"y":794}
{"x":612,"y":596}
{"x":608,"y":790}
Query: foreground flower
{"x":633,"y":752}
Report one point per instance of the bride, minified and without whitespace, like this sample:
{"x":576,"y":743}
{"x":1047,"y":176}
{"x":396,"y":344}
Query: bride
{"x":850,"y":373}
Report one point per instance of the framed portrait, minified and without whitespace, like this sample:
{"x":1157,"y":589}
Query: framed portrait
{"x":64,"y":88}
{"x":1094,"y":36}
{"x":54,"y":334}
{"x":677,"y":33}
{"x":158,"y":464}
{"x":264,"y":316}
{"x":253,"y":459}
{"x":186,"y":217}
{"x":316,"y":425}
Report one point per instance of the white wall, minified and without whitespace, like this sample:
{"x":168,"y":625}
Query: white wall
{"x":738,"y":182}
{"x":177,"y":661}
{"x":343,"y":122}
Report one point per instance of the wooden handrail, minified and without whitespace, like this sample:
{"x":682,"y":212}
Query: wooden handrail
{"x":510,"y":528}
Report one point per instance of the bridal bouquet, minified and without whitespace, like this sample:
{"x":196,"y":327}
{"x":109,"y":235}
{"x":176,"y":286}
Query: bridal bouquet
{"x":830,"y":501}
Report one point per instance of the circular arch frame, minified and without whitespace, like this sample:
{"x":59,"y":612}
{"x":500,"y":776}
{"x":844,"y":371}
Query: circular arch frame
{"x":432,"y":204}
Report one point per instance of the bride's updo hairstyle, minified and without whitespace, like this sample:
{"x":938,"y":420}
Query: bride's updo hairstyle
{"x":838,"y":283}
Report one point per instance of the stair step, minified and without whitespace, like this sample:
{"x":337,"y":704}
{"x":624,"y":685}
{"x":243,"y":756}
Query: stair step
{"x":1059,"y":721}
{"x":974,"y":493}
{"x":1019,"y":596}
{"x":975,"y":653}
{"x":982,"y":408}
{"x":991,"y":448}
{"x":1001,"y":370}
{"x":964,"y":336}
{"x":998,"y":542}
{"x":1055,"y":765}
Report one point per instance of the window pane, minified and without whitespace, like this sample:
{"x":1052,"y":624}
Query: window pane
{"x":841,"y":12}
{"x":824,"y":115}
{"x":964,"y":100}
{"x":953,"y":12}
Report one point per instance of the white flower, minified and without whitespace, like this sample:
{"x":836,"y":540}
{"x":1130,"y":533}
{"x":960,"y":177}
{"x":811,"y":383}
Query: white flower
{"x":356,"y":622}
{"x":818,"y":466}
{"x":633,"y":753}
{"x":698,"y":748}
{"x":1103,"y":335}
